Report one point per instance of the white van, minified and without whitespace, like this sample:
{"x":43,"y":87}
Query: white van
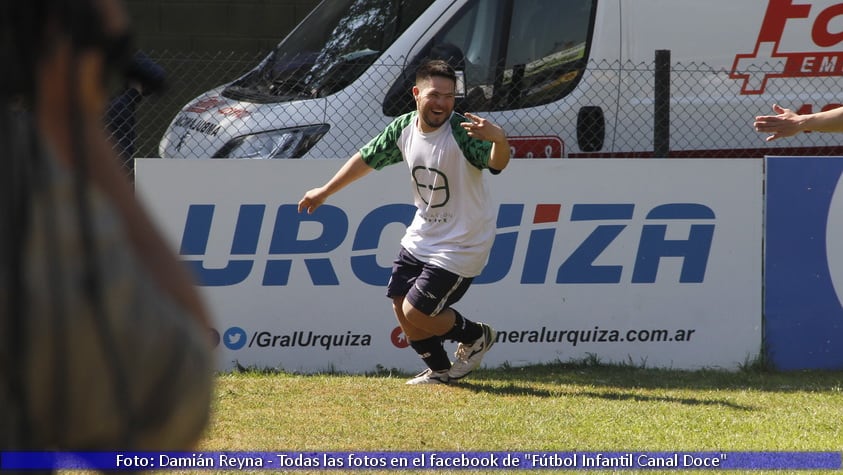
{"x":565,"y":78}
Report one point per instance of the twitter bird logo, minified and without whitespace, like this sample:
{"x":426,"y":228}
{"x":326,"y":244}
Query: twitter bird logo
{"x":234,"y":338}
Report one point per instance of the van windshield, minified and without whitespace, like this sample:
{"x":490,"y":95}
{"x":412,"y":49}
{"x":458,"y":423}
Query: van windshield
{"x":331,"y":48}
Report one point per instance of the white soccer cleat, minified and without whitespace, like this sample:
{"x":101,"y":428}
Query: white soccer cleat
{"x":470,"y":356}
{"x":429,"y":376}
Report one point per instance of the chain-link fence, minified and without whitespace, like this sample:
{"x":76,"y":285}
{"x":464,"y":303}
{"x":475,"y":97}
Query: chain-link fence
{"x":187,"y":76}
{"x":599,"y":109}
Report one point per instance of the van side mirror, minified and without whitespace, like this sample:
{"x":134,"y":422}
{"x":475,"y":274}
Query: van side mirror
{"x":591,"y":129}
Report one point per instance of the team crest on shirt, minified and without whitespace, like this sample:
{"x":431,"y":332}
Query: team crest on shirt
{"x":432,"y":186}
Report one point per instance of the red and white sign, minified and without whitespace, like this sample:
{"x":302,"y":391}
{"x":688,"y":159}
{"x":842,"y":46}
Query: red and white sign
{"x":796,"y":39}
{"x":536,"y":147}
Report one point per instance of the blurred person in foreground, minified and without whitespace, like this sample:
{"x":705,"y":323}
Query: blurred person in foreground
{"x":787,"y":123}
{"x":104,"y":341}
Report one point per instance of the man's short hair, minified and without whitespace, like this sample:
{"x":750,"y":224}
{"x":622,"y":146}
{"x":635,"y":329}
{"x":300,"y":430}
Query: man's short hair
{"x":435,"y":67}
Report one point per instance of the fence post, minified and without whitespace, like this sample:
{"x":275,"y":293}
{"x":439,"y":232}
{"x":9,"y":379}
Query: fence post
{"x":661,"y":105}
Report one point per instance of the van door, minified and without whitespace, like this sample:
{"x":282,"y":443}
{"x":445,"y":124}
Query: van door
{"x":525,"y":65}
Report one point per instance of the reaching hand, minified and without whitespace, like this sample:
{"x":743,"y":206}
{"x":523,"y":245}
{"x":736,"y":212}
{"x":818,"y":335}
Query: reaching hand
{"x":786,"y":124}
{"x":311,"y":200}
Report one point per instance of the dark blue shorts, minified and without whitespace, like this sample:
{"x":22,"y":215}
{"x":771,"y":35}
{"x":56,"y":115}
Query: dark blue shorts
{"x":428,"y":288}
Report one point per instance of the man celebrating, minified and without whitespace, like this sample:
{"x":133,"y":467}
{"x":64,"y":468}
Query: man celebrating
{"x":448,"y":242}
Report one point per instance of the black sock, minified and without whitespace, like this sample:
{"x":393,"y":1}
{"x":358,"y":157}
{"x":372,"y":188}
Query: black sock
{"x":464,"y":330}
{"x":432,"y":353}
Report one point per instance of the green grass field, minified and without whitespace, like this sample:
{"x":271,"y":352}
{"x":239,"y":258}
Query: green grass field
{"x":557,"y":407}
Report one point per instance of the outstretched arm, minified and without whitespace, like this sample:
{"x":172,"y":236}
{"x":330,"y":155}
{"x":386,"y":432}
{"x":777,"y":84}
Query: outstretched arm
{"x":353,"y":169}
{"x":788,"y":123}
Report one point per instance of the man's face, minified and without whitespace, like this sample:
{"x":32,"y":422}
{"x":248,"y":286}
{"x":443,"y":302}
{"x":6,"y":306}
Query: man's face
{"x":435,"y":101}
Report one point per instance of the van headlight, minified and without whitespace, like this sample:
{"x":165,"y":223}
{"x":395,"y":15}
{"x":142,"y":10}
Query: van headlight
{"x":282,"y":143}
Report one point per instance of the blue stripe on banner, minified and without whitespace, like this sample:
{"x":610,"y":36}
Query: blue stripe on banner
{"x":148,"y":461}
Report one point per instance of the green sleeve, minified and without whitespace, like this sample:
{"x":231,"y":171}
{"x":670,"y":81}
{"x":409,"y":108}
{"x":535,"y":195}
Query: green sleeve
{"x":383,"y":149}
{"x":477,"y":152}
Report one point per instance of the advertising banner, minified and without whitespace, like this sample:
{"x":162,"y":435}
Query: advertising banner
{"x":804,"y":263}
{"x":654,"y":263}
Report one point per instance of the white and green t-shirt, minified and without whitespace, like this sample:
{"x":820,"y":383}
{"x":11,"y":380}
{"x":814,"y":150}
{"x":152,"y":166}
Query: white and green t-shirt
{"x":454,"y":225}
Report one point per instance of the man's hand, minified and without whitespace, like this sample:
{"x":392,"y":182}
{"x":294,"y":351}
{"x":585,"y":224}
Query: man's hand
{"x":785,"y":124}
{"x":312,"y":200}
{"x":483,"y":129}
